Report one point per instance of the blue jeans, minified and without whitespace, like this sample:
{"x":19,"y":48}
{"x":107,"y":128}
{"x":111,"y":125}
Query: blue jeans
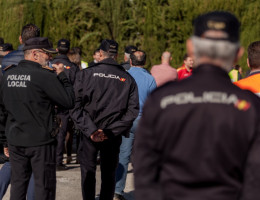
{"x":124,"y":159}
{"x":5,"y":177}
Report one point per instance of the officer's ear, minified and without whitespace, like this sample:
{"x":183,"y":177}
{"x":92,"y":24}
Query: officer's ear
{"x":20,"y":39}
{"x":239,"y":54}
{"x":131,"y":62}
{"x":190,"y":49}
{"x":35,"y":54}
{"x":101,"y":54}
{"x":247,"y":61}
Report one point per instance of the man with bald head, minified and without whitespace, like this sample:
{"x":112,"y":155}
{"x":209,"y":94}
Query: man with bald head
{"x":145,"y":83}
{"x":164,"y":72}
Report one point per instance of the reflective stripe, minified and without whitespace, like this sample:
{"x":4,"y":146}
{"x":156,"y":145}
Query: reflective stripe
{"x":84,"y":64}
{"x":258,"y":94}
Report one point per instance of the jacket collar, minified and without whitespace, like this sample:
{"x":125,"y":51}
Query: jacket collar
{"x":20,"y":47}
{"x":108,"y":61}
{"x":254,"y":73}
{"x":208,"y":68}
{"x":29,"y":63}
{"x":61,"y":56}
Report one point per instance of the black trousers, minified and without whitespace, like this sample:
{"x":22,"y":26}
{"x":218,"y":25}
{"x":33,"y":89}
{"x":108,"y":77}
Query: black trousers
{"x":66,"y":125}
{"x":109,"y":152}
{"x":41,"y":161}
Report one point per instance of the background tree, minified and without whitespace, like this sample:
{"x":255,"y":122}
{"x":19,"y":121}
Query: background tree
{"x":152,"y":25}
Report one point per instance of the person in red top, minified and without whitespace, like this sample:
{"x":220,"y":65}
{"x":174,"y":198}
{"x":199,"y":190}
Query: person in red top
{"x":187,"y":70}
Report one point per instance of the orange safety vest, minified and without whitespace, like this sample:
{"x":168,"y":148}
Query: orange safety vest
{"x":252,"y":83}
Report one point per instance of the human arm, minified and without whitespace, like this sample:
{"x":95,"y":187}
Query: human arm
{"x":58,"y":88}
{"x":124,"y":124}
{"x":69,"y":68}
{"x":153,"y":86}
{"x":80,"y":116}
{"x":3,"y":117}
{"x":251,"y":180}
{"x":98,"y":136}
{"x":6,"y":152}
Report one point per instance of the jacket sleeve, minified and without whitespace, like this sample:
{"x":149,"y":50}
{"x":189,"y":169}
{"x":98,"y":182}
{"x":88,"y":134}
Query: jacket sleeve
{"x":73,"y":72}
{"x":3,"y":117}
{"x":251,"y":182}
{"x":123,"y":125}
{"x":80,"y":116}
{"x":147,"y":155}
{"x":153,"y":86}
{"x":59,"y":90}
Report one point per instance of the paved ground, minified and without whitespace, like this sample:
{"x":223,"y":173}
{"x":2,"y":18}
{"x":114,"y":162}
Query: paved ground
{"x":68,"y":184}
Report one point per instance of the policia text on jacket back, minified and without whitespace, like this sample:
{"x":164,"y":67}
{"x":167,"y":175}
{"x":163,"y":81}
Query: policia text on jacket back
{"x":199,"y":138}
{"x":105,"y":107}
{"x":28,"y":94}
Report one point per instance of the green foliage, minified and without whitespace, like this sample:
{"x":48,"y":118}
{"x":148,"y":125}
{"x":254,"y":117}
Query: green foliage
{"x":152,"y":25}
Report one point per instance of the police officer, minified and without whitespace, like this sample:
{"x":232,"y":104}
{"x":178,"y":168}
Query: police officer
{"x":28,"y":94}
{"x":70,"y":70}
{"x":105,"y":108}
{"x":128,"y":51}
{"x":200,"y":138}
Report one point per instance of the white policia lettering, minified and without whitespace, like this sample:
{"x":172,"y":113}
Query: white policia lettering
{"x":107,"y":76}
{"x":19,"y":77}
{"x":18,"y":80}
{"x":207,"y":97}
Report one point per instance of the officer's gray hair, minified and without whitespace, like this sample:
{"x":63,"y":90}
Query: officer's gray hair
{"x":127,"y":55}
{"x":27,"y":52}
{"x":217,"y":50}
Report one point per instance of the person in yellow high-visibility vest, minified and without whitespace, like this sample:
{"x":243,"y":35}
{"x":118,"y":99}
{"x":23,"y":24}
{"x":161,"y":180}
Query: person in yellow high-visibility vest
{"x":234,"y":74}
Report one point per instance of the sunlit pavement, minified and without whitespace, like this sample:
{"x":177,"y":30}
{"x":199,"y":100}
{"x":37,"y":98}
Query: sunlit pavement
{"x":68,"y":183}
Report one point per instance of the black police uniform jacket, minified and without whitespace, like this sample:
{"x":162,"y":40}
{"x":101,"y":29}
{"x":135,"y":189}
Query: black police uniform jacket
{"x":28,"y":94}
{"x":106,"y":97}
{"x":70,"y":69}
{"x":199,"y":139}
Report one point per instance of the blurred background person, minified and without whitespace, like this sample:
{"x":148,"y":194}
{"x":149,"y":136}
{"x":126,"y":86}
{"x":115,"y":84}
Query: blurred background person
{"x":235,"y":74}
{"x":146,"y":84}
{"x":187,"y":70}
{"x":164,"y":72}
{"x":96,"y":57}
{"x":128,"y":51}
{"x":66,"y":125}
{"x":252,"y":81}
{"x":5,"y":49}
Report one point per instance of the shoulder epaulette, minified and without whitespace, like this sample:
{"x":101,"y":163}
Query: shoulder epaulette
{"x":9,"y":67}
{"x":48,"y":68}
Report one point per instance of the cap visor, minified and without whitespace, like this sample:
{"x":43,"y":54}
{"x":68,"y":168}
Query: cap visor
{"x":49,"y":50}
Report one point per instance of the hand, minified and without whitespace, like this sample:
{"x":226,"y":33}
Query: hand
{"x":58,"y":67}
{"x":6,"y":152}
{"x":98,"y":136}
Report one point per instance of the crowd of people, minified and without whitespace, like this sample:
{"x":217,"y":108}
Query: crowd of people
{"x":192,"y":132}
